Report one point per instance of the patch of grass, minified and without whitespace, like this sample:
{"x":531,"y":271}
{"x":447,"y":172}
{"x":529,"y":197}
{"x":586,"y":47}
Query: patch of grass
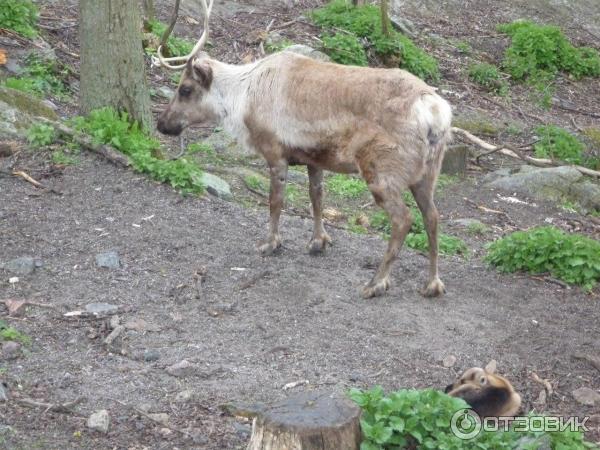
{"x":292,"y":193}
{"x":8,"y":333}
{"x":19,"y":16}
{"x":558,"y":143}
{"x":41,"y":135}
{"x":355,"y":227}
{"x":593,"y":135}
{"x":540,"y":51}
{"x":488,"y":76}
{"x":476,"y":125}
{"x":514,"y":129}
{"x":175,"y":46}
{"x":346,"y":186}
{"x":107,"y":126}
{"x":572,"y":258}
{"x":345,"y":49}
{"x":365,"y":22}
{"x":445,"y":180}
{"x":421,"y":419}
{"x":464,"y":47}
{"x":273,"y":47}
{"x":61,"y":158}
{"x":257,"y":183}
{"x":477,"y":229}
{"x":206,"y":152}
{"x":41,"y":77}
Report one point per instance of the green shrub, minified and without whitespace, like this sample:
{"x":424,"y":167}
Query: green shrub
{"x":540,"y":51}
{"x":175,"y":46}
{"x":41,"y":135}
{"x":346,"y":186}
{"x":558,"y":143}
{"x":257,"y":183}
{"x":365,"y":22}
{"x":8,"y":333}
{"x":488,"y":76}
{"x":40,"y":77}
{"x":272,"y":47}
{"x":572,"y":258}
{"x":107,"y":126}
{"x":19,"y":16}
{"x":421,"y":419}
{"x":345,"y":49}
{"x":61,"y":158}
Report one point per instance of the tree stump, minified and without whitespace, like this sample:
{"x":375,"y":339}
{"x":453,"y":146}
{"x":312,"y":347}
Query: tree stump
{"x":309,"y":421}
{"x":455,"y":160}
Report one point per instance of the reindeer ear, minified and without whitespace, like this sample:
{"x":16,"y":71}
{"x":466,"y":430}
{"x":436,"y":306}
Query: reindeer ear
{"x":491,"y":366}
{"x":202,"y":72}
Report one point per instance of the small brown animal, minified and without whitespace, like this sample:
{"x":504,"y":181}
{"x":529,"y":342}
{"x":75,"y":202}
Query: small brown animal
{"x":488,"y":394}
{"x":386,"y":124}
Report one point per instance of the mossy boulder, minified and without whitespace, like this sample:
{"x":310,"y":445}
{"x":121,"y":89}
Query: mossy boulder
{"x":19,"y":110}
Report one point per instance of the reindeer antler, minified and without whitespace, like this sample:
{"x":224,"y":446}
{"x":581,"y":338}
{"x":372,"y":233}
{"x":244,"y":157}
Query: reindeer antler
{"x":165,"y":62}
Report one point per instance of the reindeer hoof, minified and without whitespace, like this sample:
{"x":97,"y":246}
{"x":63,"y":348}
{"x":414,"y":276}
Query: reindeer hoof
{"x":269,"y":247}
{"x":434,"y":289}
{"x":317,"y":246}
{"x":375,"y":289}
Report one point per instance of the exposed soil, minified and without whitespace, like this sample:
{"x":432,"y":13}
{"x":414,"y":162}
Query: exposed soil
{"x":249,"y":325}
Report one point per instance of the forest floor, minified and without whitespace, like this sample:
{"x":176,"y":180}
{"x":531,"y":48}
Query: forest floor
{"x":191,"y":286}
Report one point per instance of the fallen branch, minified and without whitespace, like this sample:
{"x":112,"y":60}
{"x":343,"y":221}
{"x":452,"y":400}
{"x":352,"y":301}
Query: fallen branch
{"x":64,"y":408}
{"x":105,"y":151}
{"x":26,"y":177}
{"x":547,"y":386}
{"x":515,"y":153}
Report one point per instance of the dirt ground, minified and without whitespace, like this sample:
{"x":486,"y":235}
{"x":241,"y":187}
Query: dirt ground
{"x":192,"y":287}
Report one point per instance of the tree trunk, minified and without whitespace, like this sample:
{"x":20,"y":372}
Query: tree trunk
{"x":112,"y":58}
{"x":385,"y":18}
{"x":309,"y":421}
{"x":149,"y":10}
{"x":358,"y":2}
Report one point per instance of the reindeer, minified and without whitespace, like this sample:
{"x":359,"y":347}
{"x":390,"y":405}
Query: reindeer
{"x":386,"y":124}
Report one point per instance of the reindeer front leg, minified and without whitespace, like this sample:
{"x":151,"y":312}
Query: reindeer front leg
{"x":320,"y":238}
{"x":278,"y":172}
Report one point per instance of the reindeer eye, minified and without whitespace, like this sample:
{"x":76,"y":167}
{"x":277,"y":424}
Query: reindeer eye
{"x":185,"y":91}
{"x":482,"y":380}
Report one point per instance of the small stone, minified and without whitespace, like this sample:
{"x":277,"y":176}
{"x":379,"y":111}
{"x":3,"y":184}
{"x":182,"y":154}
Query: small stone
{"x":11,"y":350}
{"x":50,"y":105}
{"x":99,"y":421}
{"x":465,"y":223}
{"x":108,"y":260}
{"x":586,"y":396}
{"x":3,"y":393}
{"x":160,"y":418}
{"x":21,"y":266}
{"x":183,"y":368}
{"x":151,"y":355}
{"x":216,"y":186}
{"x":165,"y":432}
{"x":184,"y":396}
{"x":165,"y":92}
{"x":334,"y":215}
{"x":101,"y":308}
{"x":449,"y":361}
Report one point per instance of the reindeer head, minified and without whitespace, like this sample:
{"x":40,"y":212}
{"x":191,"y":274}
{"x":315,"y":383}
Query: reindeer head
{"x":475,"y":377}
{"x":189,"y":105}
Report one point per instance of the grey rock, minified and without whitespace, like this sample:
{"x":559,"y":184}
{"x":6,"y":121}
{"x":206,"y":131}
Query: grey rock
{"x":184,"y":396}
{"x":11,"y":350}
{"x":50,"y":104}
{"x":101,"y":308}
{"x":553,"y":183}
{"x":3,"y":393}
{"x":13,"y":67}
{"x":586,"y":396}
{"x":222,"y":143}
{"x":109,"y":260}
{"x":504,"y":172}
{"x":165,"y":92}
{"x":22,"y":266}
{"x":99,"y":421}
{"x":449,"y":361}
{"x":151,"y":355}
{"x":216,"y":186}
{"x":161,"y":418}
{"x":464,"y":223}
{"x":402,"y":24}
{"x":18,"y":111}
{"x":305,"y":50}
{"x":181,"y":369}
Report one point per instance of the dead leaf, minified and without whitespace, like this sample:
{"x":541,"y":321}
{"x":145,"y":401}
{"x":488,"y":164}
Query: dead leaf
{"x":332,"y":214}
{"x":3,"y":58}
{"x":15,"y":307}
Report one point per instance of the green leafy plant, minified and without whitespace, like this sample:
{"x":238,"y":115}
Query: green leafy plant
{"x":8,"y":333}
{"x":345,"y":49}
{"x":277,"y":46}
{"x":421,"y":420}
{"x":477,"y":228}
{"x":572,"y":258}
{"x":107,"y":126}
{"x":40,"y":77}
{"x":540,"y":51}
{"x":257,"y":183}
{"x":464,"y":47}
{"x":41,"y":135}
{"x":19,"y":16}
{"x":487,"y":75}
{"x":558,"y":143}
{"x":365,"y":22}
{"x":346,"y":186}
{"x":61,"y":158}
{"x":175,"y":46}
